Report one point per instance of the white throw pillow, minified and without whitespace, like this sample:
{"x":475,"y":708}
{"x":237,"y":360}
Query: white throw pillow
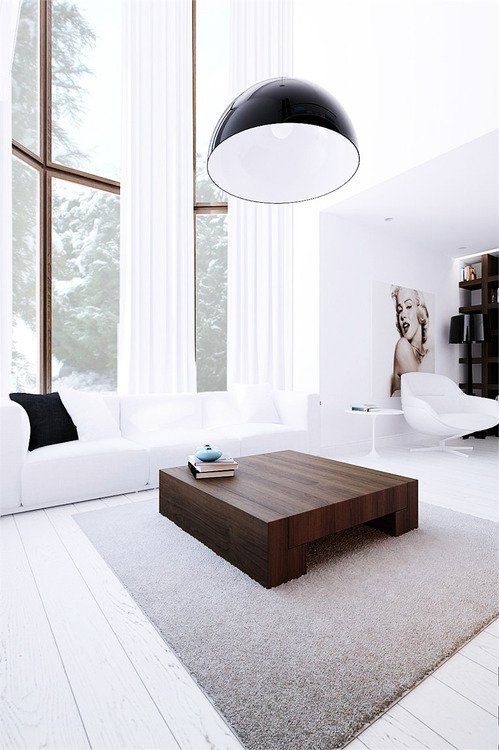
{"x":91,"y":415}
{"x":256,"y":403}
{"x":220,"y":409}
{"x":159,"y":411}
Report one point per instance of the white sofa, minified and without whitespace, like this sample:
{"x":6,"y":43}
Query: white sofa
{"x":157,"y":431}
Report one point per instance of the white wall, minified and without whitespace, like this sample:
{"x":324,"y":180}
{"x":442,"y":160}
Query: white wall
{"x":417,"y":77}
{"x":306,"y":224}
{"x":351,"y":258}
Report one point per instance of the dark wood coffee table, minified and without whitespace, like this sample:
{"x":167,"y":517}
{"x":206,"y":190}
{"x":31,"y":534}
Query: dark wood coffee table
{"x":262,"y":519}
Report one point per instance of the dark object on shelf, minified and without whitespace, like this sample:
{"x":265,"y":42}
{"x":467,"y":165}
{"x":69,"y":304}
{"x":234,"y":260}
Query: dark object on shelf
{"x":49,"y":420}
{"x":468,"y":329}
{"x":283,"y":141}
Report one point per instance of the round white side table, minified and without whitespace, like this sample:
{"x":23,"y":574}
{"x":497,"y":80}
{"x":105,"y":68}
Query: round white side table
{"x":373,"y":414}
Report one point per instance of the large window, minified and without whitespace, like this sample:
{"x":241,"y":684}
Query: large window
{"x":66,"y":128}
{"x":211,"y":90}
{"x":25,"y":276}
{"x":66,"y":146}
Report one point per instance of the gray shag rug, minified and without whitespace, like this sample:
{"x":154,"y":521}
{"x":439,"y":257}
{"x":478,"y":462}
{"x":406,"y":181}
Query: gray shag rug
{"x":307,"y":665}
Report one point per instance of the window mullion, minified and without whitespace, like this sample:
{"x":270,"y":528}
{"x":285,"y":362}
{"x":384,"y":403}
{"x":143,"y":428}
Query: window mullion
{"x":45,"y":203}
{"x":45,"y":283}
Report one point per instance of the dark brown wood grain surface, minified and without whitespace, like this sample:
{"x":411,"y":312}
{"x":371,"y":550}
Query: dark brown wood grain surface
{"x":262,"y":519}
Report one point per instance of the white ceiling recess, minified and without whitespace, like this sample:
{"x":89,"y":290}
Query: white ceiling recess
{"x":417,"y":77}
{"x":449,"y":204}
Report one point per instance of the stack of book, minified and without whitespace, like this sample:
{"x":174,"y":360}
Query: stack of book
{"x":225,"y":466}
{"x":365,"y":407}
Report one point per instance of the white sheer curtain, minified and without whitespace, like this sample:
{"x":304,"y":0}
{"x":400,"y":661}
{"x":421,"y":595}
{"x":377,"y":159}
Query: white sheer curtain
{"x":9,"y":13}
{"x":260,"y":248}
{"x":156,"y":332}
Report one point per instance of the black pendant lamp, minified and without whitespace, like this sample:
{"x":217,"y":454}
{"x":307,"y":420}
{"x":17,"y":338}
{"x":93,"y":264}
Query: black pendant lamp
{"x":283,"y":141}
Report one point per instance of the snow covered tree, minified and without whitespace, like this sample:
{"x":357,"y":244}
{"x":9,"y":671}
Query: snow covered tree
{"x":85,"y":230}
{"x":85,"y":221}
{"x":211,"y":289}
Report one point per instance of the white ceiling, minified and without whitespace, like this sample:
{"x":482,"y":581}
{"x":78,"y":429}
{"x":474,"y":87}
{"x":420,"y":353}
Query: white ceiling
{"x":416,"y":77}
{"x":448,"y":203}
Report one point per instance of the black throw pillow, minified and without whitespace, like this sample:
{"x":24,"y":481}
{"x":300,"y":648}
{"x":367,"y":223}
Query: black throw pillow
{"x":49,"y":420}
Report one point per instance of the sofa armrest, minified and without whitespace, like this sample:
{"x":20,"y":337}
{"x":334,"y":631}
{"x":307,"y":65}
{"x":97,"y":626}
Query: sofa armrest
{"x":302,"y":411}
{"x":14,"y":439}
{"x":480,"y":405}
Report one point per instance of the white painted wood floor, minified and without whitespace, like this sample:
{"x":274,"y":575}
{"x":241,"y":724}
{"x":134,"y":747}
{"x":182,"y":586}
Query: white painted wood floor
{"x":82,"y":667}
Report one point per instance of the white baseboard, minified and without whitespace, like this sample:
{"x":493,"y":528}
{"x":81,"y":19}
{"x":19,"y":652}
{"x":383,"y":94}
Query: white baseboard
{"x":399,"y":439}
{"x":56,"y":503}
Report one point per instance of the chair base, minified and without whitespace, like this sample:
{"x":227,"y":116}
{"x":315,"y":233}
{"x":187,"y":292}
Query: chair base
{"x":445,"y":448}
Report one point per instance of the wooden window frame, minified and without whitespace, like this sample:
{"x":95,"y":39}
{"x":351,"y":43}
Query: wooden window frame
{"x":48,"y":170}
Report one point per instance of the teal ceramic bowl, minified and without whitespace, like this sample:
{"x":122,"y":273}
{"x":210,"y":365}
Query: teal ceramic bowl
{"x":207,"y":453}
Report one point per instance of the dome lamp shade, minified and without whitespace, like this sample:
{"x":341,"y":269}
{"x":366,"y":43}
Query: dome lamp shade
{"x":283,"y":141}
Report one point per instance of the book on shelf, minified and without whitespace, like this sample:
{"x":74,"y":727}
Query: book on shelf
{"x":211,"y":474}
{"x":364,"y":407}
{"x":224,"y":463}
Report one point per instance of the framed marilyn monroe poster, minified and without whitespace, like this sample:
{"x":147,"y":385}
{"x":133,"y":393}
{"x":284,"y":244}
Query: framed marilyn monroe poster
{"x":402,"y":335}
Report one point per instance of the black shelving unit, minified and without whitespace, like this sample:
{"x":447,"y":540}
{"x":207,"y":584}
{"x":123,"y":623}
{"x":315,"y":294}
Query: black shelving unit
{"x":488,"y":359}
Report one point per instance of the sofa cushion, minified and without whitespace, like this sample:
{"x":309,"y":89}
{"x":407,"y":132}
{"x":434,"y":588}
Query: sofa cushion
{"x":169,"y":448}
{"x":220,"y":409}
{"x":91,"y":415}
{"x":112,"y":401}
{"x":261,"y":438}
{"x":80,"y":470}
{"x":158,"y":411}
{"x":256,"y":404}
{"x":49,"y":420}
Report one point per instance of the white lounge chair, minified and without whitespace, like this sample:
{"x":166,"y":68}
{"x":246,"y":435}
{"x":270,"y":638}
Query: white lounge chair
{"x":435,"y":405}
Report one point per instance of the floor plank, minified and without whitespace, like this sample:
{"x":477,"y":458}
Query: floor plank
{"x":400,"y":730}
{"x":137,"y":497}
{"x":462,"y":723}
{"x":484,"y":650}
{"x":471,"y":680}
{"x":468,"y":486}
{"x":184,"y":706}
{"x":91,"y":641}
{"x":115,"y":707}
{"x":356,"y":744}
{"x":493,"y":628}
{"x":439,"y":474}
{"x":38,"y":708}
{"x":116,"y":500}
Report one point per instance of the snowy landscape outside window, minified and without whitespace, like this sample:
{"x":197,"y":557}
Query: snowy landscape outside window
{"x":65,"y":128}
{"x":211,"y":83}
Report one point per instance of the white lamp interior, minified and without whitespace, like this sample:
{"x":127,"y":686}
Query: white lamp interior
{"x":283,"y":163}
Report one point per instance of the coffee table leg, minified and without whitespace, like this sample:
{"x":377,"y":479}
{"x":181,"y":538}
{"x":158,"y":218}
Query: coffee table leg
{"x":401,"y":521}
{"x":283,"y":563}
